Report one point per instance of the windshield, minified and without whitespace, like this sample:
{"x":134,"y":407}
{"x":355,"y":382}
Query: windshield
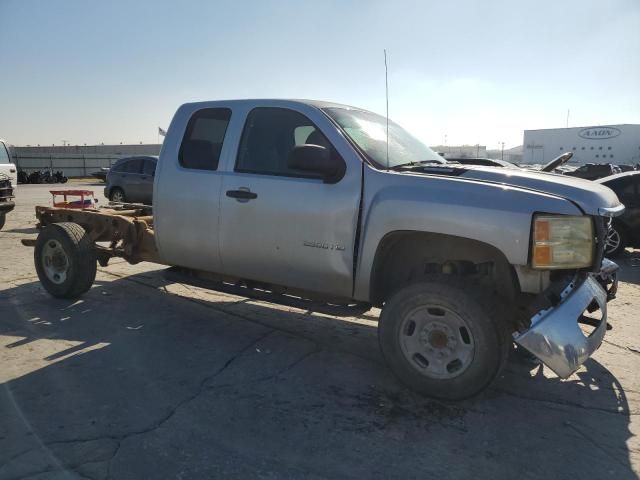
{"x":369,"y":132}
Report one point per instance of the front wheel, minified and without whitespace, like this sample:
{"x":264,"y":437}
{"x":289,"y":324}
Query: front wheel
{"x":3,"y":218}
{"x":443,"y":339}
{"x":65,"y":260}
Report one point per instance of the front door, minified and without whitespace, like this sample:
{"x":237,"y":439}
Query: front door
{"x":283,"y":226}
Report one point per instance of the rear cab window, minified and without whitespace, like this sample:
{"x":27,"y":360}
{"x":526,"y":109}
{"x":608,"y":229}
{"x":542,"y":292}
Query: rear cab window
{"x":202,"y":142}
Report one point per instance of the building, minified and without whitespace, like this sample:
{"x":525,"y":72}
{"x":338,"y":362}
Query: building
{"x":76,"y":160}
{"x":618,"y":144}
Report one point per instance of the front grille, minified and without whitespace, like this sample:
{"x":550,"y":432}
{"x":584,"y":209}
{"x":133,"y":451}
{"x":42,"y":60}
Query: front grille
{"x":6,"y":191}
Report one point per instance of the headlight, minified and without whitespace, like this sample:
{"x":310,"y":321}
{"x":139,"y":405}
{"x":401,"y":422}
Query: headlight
{"x":562,"y":241}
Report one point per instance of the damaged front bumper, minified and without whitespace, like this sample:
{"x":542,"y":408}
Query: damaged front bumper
{"x":555,"y":336}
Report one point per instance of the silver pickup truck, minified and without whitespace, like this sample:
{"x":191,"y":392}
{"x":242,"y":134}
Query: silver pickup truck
{"x":318,"y":200}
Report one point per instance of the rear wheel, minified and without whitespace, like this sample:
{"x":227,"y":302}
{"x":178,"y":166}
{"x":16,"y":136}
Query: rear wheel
{"x":3,"y":218}
{"x":117,"y":195}
{"x":616,"y":241}
{"x":65,"y":260}
{"x":443,"y":339}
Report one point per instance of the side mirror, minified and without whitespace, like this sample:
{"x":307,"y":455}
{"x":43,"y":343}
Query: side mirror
{"x":316,"y":159}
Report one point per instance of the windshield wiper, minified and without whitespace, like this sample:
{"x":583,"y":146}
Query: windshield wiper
{"x":417,"y":164}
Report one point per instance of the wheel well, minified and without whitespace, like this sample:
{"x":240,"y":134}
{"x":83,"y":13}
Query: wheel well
{"x":632,"y":240}
{"x":407,"y":256}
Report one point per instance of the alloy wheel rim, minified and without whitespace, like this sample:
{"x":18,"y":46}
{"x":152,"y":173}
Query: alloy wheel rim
{"x":437,"y":342}
{"x":613,"y":240}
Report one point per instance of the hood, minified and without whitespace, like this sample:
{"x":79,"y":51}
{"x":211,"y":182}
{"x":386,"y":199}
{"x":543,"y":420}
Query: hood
{"x":593,"y":198}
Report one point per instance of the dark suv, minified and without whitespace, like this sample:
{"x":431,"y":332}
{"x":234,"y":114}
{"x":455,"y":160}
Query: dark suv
{"x":131,"y":180}
{"x":625,"y":229}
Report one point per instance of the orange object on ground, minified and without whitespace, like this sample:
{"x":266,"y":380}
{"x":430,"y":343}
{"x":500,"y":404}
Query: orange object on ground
{"x":87,"y":199}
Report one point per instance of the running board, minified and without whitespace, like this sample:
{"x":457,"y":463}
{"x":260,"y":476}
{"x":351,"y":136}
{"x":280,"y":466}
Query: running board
{"x":263,"y":292}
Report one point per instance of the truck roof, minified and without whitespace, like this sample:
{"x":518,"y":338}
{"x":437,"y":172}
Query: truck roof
{"x":255,"y":102}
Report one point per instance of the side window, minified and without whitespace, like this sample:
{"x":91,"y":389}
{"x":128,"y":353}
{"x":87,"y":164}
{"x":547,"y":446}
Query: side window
{"x":149,"y":167}
{"x":134,"y":165}
{"x":269,"y":136}
{"x":202,"y":142}
{"x":119,"y":167}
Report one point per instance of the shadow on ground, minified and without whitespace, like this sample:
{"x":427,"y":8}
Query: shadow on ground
{"x":133,"y":382}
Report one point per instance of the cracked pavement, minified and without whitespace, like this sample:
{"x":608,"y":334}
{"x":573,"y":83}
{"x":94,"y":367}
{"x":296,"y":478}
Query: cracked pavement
{"x":145,"y":377}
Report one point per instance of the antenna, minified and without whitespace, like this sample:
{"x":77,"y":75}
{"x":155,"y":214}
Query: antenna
{"x":386,"y":92}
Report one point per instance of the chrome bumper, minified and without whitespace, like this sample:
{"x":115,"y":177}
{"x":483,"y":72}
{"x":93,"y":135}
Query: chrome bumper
{"x":555,"y":336}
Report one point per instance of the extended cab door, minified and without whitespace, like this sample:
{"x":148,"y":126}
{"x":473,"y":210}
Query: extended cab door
{"x":187,"y":188}
{"x":283,"y":226}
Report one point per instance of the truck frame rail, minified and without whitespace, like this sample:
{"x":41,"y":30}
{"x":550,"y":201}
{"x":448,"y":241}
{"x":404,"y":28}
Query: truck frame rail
{"x":126,"y":227}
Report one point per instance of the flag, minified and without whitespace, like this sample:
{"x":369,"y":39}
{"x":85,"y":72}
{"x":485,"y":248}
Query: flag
{"x":162,"y":132}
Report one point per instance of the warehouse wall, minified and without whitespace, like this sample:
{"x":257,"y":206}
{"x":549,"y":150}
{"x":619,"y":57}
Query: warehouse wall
{"x":76,"y":161}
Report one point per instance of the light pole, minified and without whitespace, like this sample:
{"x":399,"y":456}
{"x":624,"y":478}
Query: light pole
{"x":501,"y":150}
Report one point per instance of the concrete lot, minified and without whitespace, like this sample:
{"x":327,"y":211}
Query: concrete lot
{"x":145,"y":378}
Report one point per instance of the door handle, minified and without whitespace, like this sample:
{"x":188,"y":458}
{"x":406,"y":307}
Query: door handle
{"x":242,"y":194}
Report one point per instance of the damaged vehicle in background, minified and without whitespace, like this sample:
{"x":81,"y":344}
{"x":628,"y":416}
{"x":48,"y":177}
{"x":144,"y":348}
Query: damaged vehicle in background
{"x":624,"y":230}
{"x":314,"y":200}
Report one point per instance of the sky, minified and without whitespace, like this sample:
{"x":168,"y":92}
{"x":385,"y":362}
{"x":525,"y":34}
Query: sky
{"x":460,"y":71}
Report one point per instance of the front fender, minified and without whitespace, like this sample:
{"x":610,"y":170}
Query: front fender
{"x":497,"y":215}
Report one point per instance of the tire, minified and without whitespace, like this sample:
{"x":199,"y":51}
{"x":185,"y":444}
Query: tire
{"x":65,"y":260}
{"x":461,"y":342}
{"x":3,"y":219}
{"x":115,"y":193}
{"x":616,"y":241}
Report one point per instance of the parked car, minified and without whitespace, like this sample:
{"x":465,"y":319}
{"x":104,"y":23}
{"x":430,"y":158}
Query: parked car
{"x":486,"y":162}
{"x":306,"y":199}
{"x":624,"y":231}
{"x":101,"y":174}
{"x":594,"y":171}
{"x":131,"y":180}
